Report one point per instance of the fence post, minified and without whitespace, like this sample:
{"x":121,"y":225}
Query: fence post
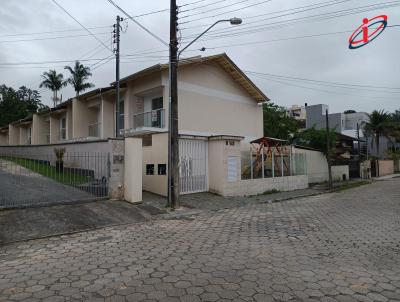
{"x":282,"y":174}
{"x":262,"y":162}
{"x":273,"y":163}
{"x":251,"y":163}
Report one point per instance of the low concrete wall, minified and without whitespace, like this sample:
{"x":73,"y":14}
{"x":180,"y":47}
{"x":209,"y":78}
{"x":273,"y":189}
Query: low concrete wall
{"x":397,"y":166}
{"x":104,"y":157}
{"x":261,"y":185}
{"x":386,"y":167}
{"x":340,"y":173}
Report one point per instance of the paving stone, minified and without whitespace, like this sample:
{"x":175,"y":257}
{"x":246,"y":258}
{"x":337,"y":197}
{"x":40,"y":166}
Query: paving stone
{"x":336,"y":247}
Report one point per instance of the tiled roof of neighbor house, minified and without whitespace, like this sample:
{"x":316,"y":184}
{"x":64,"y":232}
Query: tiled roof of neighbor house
{"x":222,"y":59}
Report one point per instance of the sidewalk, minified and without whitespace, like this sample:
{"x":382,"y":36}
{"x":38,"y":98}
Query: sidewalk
{"x":386,"y":177}
{"x":194,"y":204}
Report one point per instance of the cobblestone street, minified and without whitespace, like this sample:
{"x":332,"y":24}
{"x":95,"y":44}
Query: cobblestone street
{"x":333,"y":247}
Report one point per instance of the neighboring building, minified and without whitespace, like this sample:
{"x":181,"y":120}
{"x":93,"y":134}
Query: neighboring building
{"x":297,"y":112}
{"x":346,"y":124}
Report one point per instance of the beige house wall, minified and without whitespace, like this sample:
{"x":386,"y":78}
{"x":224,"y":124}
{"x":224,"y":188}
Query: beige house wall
{"x":80,"y":115}
{"x":13,"y":133}
{"x":40,"y":129}
{"x":212,"y":102}
{"x":156,"y":154}
{"x":107,"y":117}
{"x":69,"y":117}
{"x":23,"y":135}
{"x":54,"y":129}
{"x":4,"y":139}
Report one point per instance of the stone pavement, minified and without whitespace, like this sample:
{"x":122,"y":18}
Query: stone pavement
{"x":333,"y":247}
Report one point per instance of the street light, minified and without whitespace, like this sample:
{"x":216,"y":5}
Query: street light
{"x":173,"y":134}
{"x":232,"y":21}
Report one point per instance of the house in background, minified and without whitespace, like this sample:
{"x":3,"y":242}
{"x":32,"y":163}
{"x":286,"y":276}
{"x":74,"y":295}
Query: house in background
{"x":297,"y":112}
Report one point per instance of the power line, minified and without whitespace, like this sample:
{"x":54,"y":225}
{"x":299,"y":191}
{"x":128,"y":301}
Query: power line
{"x":137,"y":23}
{"x":45,"y":62}
{"x":327,"y":83}
{"x":190,"y":3}
{"x":201,"y":6}
{"x":227,"y":12}
{"x":50,"y":38}
{"x":93,"y":35}
{"x":306,"y":19}
{"x":311,"y":6}
{"x":210,"y":10}
{"x":286,"y":39}
{"x":51,"y":32}
{"x":283,"y":82}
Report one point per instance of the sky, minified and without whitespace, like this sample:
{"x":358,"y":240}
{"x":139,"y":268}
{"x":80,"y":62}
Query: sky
{"x":295,"y":51}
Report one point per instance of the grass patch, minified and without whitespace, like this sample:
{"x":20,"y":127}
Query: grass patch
{"x":351,"y":185}
{"x":273,"y":191}
{"x":44,"y":169}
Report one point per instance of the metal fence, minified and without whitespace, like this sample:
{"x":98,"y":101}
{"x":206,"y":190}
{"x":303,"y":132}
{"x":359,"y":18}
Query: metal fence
{"x":274,"y":162}
{"x":43,"y":179}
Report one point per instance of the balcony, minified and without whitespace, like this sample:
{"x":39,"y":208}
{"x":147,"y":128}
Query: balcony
{"x":151,"y":119}
{"x":94,"y":129}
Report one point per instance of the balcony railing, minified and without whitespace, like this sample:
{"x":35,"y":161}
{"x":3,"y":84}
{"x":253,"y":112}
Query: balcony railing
{"x":154,"y":118}
{"x":94,"y":129}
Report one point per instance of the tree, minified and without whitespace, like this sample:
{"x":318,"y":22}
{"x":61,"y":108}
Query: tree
{"x":316,"y":139}
{"x":379,"y":125}
{"x":53,"y":81}
{"x":79,"y":75}
{"x":18,"y":104}
{"x":277,"y":122}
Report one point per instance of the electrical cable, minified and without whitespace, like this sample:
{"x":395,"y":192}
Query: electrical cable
{"x":93,"y":35}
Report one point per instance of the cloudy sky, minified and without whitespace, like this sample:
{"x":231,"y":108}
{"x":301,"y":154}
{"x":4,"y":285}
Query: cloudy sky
{"x":299,"y":49}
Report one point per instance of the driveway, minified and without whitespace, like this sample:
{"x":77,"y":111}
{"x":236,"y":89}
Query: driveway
{"x":333,"y":247}
{"x":30,"y":189}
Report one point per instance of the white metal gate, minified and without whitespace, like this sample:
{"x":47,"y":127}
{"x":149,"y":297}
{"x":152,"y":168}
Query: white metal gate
{"x":193,"y":166}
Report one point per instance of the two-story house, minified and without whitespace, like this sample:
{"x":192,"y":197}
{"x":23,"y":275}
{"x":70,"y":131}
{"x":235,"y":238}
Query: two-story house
{"x":217,"y":102}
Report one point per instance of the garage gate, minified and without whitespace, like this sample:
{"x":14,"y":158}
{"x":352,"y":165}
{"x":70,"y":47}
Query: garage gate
{"x":193,"y":166}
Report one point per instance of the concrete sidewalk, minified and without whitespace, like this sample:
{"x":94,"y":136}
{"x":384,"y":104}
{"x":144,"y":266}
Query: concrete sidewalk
{"x":32,"y":223}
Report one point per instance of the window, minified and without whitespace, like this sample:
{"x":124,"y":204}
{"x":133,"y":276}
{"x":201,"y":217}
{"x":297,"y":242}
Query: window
{"x":232,"y":168}
{"x":162,"y":169}
{"x":121,"y":117}
{"x":157,"y":103}
{"x":149,"y":169}
{"x":63,"y":128}
{"x":29,"y":135}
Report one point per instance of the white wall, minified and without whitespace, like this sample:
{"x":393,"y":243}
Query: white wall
{"x":133,"y":170}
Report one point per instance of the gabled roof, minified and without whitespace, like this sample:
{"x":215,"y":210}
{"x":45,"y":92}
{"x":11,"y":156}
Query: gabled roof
{"x":222,"y":59}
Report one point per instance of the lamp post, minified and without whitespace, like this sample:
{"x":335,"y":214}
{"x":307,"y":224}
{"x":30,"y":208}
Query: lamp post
{"x":173,"y":135}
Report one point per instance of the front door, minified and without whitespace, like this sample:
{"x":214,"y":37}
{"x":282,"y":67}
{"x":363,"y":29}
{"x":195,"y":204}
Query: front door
{"x":193,"y":166}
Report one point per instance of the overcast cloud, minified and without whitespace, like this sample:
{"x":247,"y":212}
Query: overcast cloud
{"x":325,"y":58}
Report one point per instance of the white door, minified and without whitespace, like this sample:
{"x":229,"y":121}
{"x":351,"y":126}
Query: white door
{"x":193,"y":166}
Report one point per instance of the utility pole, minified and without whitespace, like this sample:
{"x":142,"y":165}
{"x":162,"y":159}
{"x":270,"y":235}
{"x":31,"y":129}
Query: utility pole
{"x":328,"y":149}
{"x":173,"y":158}
{"x":358,"y":143}
{"x":116,"y":41}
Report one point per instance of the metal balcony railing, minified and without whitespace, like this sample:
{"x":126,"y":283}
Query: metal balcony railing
{"x":154,"y":118}
{"x":94,"y":129}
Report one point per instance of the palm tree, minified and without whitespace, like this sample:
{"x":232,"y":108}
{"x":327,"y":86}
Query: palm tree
{"x":53,"y":81}
{"x":79,"y":75}
{"x":379,"y":125}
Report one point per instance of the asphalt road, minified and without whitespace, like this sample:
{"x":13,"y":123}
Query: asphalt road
{"x":333,"y":247}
